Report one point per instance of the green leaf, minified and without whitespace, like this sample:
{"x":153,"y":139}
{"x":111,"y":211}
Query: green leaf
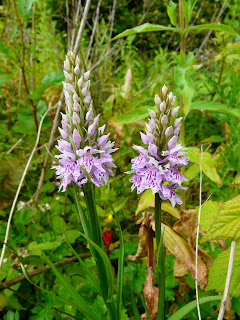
{"x":10,"y":315}
{"x":134,"y":307}
{"x":185,"y":84}
{"x":85,"y":309}
{"x":5,"y":52}
{"x":72,"y":235}
{"x":90,"y":275}
{"x":36,"y":248}
{"x":25,"y":117}
{"x":107,"y":264}
{"x":133,"y":116}
{"x":209,"y":214}
{"x":192,"y":172}
{"x":227,"y":223}
{"x":4,"y":78}
{"x":146,"y":27}
{"x":186,"y":11}
{"x":208,"y":164}
{"x":120,"y":270}
{"x":180,"y":314}
{"x":59,"y":225}
{"x":172,"y":13}
{"x":218,"y":273}
{"x":214,"y":106}
{"x":25,"y":8}
{"x":50,"y":79}
{"x":212,"y":26}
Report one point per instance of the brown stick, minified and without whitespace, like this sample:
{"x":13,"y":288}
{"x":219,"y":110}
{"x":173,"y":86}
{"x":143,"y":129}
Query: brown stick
{"x":12,"y":282}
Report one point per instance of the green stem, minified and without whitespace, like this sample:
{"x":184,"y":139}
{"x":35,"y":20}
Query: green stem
{"x":182,"y":130}
{"x":161,"y":301}
{"x":157,"y":219}
{"x":83,"y":218}
{"x":96,"y":236}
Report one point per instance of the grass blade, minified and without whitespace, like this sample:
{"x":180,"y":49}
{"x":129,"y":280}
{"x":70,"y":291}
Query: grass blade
{"x":120,"y":270}
{"x":71,"y":290}
{"x":107,"y":264}
{"x":180,"y":314}
{"x":146,"y":309}
{"x":134,"y":306}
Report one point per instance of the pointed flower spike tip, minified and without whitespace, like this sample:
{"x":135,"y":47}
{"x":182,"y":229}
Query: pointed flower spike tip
{"x":157,"y":167}
{"x":83,"y":144}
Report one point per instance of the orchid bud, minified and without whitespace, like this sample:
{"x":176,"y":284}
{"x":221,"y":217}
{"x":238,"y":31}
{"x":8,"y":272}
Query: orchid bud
{"x":80,"y":83}
{"x":86,"y":76}
{"x":67,"y":65}
{"x":77,"y":70}
{"x":163,"y":106}
{"x":157,"y":100}
{"x":87,"y":99}
{"x":75,"y":118}
{"x":68,"y":76}
{"x":164,"y":120}
{"x":84,"y":91}
{"x":76,"y":138}
{"x":152,"y":113}
{"x":169,"y":132}
{"x":172,"y":142}
{"x":177,"y":122}
{"x":77,"y":61}
{"x":144,"y":138}
{"x":174,"y":111}
{"x":164,"y":91}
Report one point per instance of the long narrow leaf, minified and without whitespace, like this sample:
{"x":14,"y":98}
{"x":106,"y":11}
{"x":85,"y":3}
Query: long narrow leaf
{"x":134,"y":306}
{"x":146,"y":27}
{"x":48,"y":292}
{"x":71,"y":290}
{"x":120,"y":270}
{"x":146,"y":309}
{"x":214,"y":106}
{"x":90,"y":275}
{"x":107,"y":264}
{"x":212,"y":26}
{"x":180,"y":314}
{"x":83,"y":218}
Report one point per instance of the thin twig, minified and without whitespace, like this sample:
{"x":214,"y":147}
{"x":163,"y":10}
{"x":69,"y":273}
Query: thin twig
{"x":68,"y":24}
{"x":228,"y":280}
{"x":16,"y":144}
{"x":198,"y":227}
{"x":75,"y":21}
{"x":82,"y":26}
{"x":12,"y":282}
{"x":20,"y":186}
{"x":224,"y":6}
{"x":93,"y":31}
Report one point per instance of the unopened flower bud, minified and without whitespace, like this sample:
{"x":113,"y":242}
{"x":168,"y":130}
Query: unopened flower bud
{"x":68,"y":76}
{"x":177,"y":130}
{"x":80,"y":83}
{"x":70,"y":88}
{"x":152,"y":113}
{"x":170,"y":97}
{"x":174,"y":111}
{"x":64,"y":117}
{"x":164,"y":91}
{"x":77,"y":60}
{"x":84,"y":91}
{"x":71,"y":55}
{"x":77,"y":70}
{"x":75,"y":118}
{"x":76,"y":138}
{"x":172,"y":142}
{"x":87,"y":85}
{"x":67,"y":65}
{"x":163,"y":106}
{"x":144,"y":138}
{"x":152,"y":124}
{"x":173,"y":101}
{"x":86,"y":76}
{"x":164,"y":120}
{"x":169,"y":132}
{"x":87,"y":99}
{"x":89,"y":115}
{"x":157,"y":100}
{"x":76,"y":106}
{"x":177,"y":122}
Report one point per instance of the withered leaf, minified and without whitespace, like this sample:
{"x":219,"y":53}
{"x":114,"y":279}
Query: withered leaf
{"x":151,"y":294}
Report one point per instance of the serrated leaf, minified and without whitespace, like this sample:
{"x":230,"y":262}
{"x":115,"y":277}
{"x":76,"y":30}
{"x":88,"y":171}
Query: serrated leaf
{"x":218,"y":273}
{"x":215,"y":106}
{"x":133,"y":116}
{"x":227,"y":223}
{"x":146,"y":27}
{"x":212,"y":26}
{"x":209,"y":214}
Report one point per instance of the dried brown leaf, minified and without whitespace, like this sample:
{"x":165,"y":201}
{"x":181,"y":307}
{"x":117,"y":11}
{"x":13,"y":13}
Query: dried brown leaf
{"x":151,"y":294}
{"x":142,"y":249}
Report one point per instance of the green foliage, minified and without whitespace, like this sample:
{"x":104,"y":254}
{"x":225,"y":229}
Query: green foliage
{"x":218,"y":273}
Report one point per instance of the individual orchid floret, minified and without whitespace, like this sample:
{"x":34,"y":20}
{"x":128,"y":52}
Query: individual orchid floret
{"x":157,"y":166}
{"x":85,"y":149}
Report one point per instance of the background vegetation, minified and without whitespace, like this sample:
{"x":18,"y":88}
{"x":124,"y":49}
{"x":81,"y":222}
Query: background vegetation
{"x":126,"y":75}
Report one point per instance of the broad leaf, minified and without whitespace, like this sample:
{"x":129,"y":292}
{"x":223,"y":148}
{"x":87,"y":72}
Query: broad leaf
{"x":133,"y":116}
{"x":218,"y":273}
{"x":146,"y":27}
{"x":209,"y":214}
{"x":212,"y":26}
{"x":214,"y":106}
{"x":227,"y":223}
